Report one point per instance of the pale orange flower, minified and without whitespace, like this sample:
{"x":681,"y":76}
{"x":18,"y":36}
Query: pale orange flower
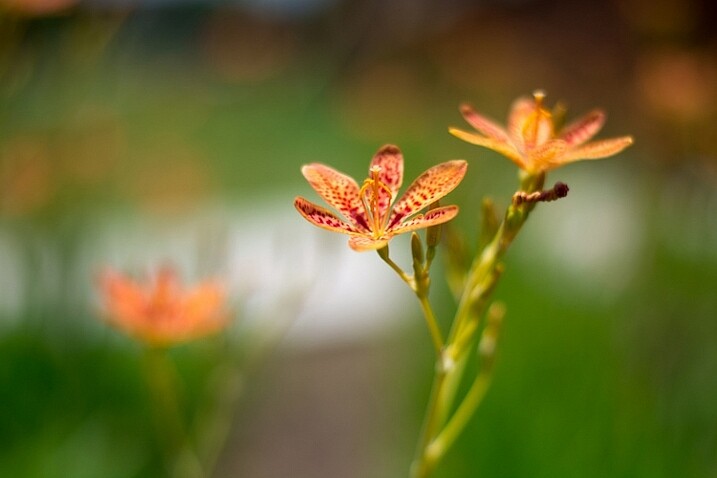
{"x":531,"y":140}
{"x":370,"y":216}
{"x":161,"y":312}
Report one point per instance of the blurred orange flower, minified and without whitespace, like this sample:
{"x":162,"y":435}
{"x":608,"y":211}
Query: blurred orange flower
{"x":162,"y":312}
{"x":371,"y":217}
{"x":532,"y":140}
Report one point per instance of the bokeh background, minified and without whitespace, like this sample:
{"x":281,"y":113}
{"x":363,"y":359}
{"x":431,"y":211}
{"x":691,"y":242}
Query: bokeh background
{"x":149,"y":132}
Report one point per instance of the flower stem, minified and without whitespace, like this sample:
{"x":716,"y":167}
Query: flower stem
{"x":383,"y":254}
{"x":420,"y":288}
{"x":445,"y":439}
{"x":421,"y":467}
{"x":180,"y":459}
{"x":436,"y":335}
{"x":481,"y":280}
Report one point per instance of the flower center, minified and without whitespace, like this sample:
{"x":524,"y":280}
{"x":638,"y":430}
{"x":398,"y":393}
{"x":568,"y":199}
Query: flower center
{"x":538,"y":127}
{"x":376,"y":197}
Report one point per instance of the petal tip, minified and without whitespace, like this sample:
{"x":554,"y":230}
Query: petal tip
{"x":389,"y":149}
{"x":465,"y":109}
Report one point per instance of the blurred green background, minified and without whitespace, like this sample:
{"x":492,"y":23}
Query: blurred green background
{"x":136,"y":133}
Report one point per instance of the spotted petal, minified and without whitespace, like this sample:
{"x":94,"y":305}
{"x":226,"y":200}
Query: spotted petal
{"x":338,"y":190}
{"x":502,"y":147}
{"x":431,"y":218}
{"x":390,"y":161}
{"x":581,"y":130}
{"x":367,"y":243}
{"x":321,"y":217}
{"x":484,"y":125}
{"x":547,"y":156}
{"x":598,"y":149}
{"x":428,"y":188}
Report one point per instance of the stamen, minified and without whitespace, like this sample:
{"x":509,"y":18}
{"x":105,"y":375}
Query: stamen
{"x":533,"y":125}
{"x":370,"y":195}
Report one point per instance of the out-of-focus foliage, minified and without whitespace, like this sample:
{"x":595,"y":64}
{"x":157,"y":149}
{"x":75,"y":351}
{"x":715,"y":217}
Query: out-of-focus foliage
{"x":110,"y":112}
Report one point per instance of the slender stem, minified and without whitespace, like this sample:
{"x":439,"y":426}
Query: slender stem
{"x":445,"y":439}
{"x":383,"y":253}
{"x":480,"y":282}
{"x":422,"y":295}
{"x":218,"y":422}
{"x":486,"y":262}
{"x":420,"y":467}
{"x":436,"y":335}
{"x":180,"y":459}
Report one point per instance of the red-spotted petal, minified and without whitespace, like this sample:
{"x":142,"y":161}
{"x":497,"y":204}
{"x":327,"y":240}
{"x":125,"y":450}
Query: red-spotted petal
{"x":428,"y":188}
{"x":338,"y":190}
{"x":367,"y":243}
{"x":484,"y":125}
{"x":390,"y":161}
{"x":431,"y":218}
{"x":321,"y":217}
{"x":583,"y":129}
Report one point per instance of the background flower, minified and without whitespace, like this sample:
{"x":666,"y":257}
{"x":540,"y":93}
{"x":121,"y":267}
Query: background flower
{"x":161,"y":311}
{"x":534,"y":142}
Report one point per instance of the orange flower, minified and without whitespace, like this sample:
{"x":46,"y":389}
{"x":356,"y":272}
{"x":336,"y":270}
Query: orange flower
{"x":370,"y":216}
{"x":531,"y":140}
{"x":162,"y":312}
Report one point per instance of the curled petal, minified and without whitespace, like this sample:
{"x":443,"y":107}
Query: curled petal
{"x":390,"y":161}
{"x":321,"y":217}
{"x":598,"y":149}
{"x":428,"y":188}
{"x":338,"y":190}
{"x":581,"y":130}
{"x":431,"y":218}
{"x":484,"y":125}
{"x":367,"y":243}
{"x":504,"y":148}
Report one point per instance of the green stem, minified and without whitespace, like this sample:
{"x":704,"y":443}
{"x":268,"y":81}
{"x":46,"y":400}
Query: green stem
{"x":447,"y":437}
{"x":161,"y":377}
{"x":486,"y":262}
{"x":420,"y":468}
{"x":383,"y":253}
{"x":217,"y":423}
{"x":421,"y":291}
{"x":480,"y":283}
{"x":436,"y":335}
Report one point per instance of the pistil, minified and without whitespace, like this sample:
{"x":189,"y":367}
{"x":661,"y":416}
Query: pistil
{"x":370,"y":197}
